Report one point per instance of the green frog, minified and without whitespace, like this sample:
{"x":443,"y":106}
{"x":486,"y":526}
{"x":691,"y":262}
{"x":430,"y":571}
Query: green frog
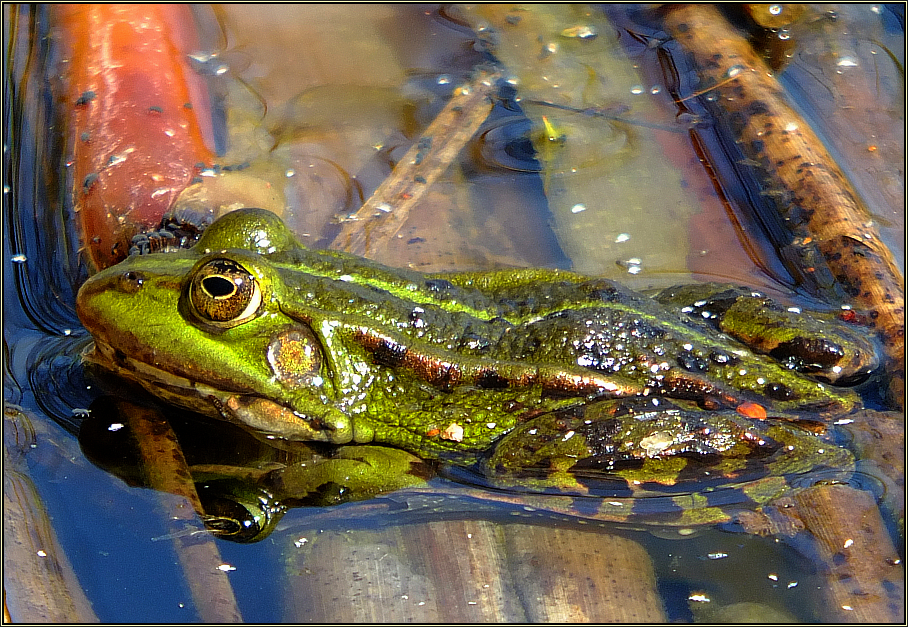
{"x":509,"y":373}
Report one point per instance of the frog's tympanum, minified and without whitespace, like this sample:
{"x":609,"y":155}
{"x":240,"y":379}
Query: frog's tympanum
{"x":503,"y":371}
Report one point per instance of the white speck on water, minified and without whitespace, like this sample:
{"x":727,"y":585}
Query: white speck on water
{"x":226,"y":568}
{"x":578,"y":208}
{"x":622,"y":237}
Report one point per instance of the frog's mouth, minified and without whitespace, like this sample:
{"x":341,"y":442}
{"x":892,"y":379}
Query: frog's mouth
{"x":239,"y":405}
{"x":170,"y":387}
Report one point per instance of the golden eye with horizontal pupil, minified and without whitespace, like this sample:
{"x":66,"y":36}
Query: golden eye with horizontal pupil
{"x":224,"y":293}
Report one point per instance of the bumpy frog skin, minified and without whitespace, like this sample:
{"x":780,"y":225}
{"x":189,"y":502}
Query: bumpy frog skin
{"x":298,"y":344}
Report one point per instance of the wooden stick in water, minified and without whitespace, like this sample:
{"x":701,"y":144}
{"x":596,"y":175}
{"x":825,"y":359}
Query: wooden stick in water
{"x":816,"y":200}
{"x":383,"y":215}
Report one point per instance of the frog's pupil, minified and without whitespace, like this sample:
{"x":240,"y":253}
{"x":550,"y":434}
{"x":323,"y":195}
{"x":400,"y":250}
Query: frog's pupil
{"x":219,"y":286}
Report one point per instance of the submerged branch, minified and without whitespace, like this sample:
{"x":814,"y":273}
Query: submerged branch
{"x":383,"y":215}
{"x":832,"y":231}
{"x":167,"y":473}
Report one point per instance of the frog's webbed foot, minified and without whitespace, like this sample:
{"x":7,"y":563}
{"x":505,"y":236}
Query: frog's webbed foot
{"x":813,"y":343}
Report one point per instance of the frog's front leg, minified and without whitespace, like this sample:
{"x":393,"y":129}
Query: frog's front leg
{"x":353,"y":473}
{"x":813,"y":343}
{"x":245,"y":505}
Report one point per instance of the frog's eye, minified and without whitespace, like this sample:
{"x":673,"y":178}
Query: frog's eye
{"x":224,"y":293}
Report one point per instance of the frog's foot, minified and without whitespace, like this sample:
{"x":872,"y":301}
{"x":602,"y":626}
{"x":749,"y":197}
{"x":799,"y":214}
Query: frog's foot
{"x":812,"y":343}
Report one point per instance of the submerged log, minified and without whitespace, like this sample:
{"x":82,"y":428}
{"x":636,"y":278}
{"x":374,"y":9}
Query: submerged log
{"x":865,"y":578}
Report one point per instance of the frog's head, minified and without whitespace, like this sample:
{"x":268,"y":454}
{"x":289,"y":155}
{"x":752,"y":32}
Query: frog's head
{"x":204,"y":328}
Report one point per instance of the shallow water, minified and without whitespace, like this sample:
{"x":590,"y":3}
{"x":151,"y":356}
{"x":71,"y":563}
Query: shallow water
{"x":320,"y":102}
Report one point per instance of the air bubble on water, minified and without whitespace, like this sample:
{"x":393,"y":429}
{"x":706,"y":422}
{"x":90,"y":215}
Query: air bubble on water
{"x":290,"y":173}
{"x":622,"y":237}
{"x":202,"y":57}
{"x":578,"y":208}
{"x":784,"y":34}
{"x":637,"y":90}
{"x":775,"y":9}
{"x":847,"y":61}
{"x":734,"y":70}
{"x":444,"y":79}
{"x":655,"y":90}
{"x":19,"y":258}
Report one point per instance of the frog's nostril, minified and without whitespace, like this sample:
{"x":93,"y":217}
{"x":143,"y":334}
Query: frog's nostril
{"x":130,"y":281}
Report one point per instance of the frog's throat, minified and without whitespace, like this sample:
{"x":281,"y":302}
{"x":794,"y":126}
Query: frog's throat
{"x":247,"y":410}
